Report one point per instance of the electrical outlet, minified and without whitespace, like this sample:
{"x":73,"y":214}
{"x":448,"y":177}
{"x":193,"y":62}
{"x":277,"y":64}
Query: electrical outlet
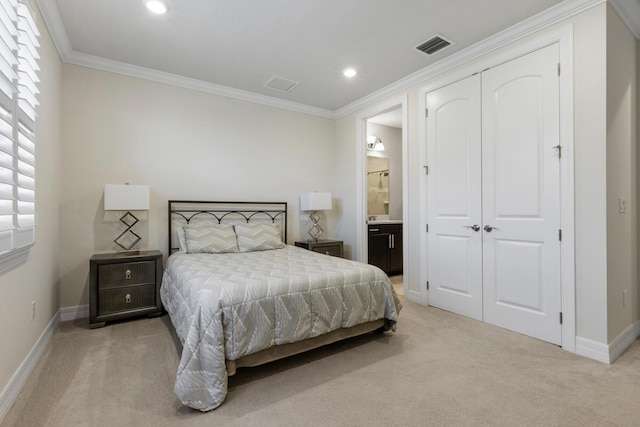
{"x":622,"y":205}
{"x":33,"y":310}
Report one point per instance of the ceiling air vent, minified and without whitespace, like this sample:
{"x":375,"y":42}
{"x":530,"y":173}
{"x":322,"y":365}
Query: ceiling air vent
{"x":434,"y":44}
{"x":281,"y":84}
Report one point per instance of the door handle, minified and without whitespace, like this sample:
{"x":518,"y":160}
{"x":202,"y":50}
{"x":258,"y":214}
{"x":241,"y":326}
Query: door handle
{"x":474,"y":227}
{"x":389,"y":238}
{"x":489,"y":228}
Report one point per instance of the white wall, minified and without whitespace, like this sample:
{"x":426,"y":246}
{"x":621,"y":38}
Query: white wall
{"x":622,"y":243}
{"x":37,"y":279}
{"x":185,"y":145}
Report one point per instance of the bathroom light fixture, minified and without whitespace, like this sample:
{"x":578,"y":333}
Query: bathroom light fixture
{"x":126,"y":198}
{"x":349,"y":72}
{"x":156,"y":6}
{"x":315,"y":202}
{"x":374,"y":143}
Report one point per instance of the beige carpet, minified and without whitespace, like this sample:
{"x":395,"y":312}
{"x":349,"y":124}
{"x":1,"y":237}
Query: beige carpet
{"x":437,"y":369}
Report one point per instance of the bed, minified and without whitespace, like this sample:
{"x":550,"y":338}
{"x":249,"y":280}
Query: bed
{"x":238,"y":296}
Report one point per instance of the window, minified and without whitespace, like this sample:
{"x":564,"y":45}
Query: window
{"x":18,"y":103}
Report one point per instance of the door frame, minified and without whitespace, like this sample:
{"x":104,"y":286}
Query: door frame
{"x":563,"y":36}
{"x":361,"y":182}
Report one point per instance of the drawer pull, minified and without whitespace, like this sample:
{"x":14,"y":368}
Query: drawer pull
{"x":374,"y":229}
{"x":127,"y":274}
{"x":127,"y":298}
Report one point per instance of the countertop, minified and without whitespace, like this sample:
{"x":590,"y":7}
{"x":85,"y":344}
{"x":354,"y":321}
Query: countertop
{"x":384,"y":221}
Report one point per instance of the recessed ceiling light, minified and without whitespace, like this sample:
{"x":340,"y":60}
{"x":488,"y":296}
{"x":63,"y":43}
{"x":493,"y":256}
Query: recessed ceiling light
{"x":156,"y":6}
{"x":349,"y":72}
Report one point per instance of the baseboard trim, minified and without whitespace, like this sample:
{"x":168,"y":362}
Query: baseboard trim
{"x":592,"y":350}
{"x":608,"y":353}
{"x":11,"y":391}
{"x":623,"y":341}
{"x":74,"y":312}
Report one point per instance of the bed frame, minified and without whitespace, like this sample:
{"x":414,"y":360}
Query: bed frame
{"x":182,"y":212}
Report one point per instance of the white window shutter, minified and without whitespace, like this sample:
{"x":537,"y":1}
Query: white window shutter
{"x":18,"y":114}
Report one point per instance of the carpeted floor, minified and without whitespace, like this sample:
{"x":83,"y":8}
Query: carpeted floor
{"x":438,"y":369}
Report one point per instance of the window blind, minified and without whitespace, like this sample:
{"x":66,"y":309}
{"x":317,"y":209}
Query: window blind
{"x":18,"y":113}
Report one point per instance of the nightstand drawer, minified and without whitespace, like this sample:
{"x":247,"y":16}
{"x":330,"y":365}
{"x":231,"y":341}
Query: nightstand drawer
{"x":333,"y":250}
{"x":327,"y":247}
{"x":126,"y":274}
{"x":126,"y":299}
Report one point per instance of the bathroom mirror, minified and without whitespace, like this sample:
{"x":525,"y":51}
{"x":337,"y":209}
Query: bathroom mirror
{"x":377,"y":186}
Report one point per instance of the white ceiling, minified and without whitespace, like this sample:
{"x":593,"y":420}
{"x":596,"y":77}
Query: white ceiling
{"x":239,"y":45}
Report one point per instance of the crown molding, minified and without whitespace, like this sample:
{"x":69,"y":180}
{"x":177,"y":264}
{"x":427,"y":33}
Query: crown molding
{"x":54,"y":24}
{"x":629,"y":12}
{"x":560,"y":12}
{"x":53,"y":21}
{"x":103,"y":64}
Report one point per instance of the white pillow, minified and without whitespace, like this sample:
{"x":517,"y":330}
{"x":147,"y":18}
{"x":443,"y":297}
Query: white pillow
{"x":258,"y":236}
{"x":182,"y":240}
{"x":210,"y":238}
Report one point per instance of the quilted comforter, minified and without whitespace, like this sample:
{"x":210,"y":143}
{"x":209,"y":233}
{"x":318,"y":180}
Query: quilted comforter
{"x":225,"y":306}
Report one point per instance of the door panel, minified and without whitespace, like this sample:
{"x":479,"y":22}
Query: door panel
{"x":521,"y":195}
{"x":454,"y":202}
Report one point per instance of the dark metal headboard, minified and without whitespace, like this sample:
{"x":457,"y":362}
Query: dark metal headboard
{"x":182,"y":212}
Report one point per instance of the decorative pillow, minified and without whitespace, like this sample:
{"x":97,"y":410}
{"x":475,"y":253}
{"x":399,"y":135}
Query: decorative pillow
{"x":210,"y":238}
{"x":182,"y":239}
{"x":258,"y":236}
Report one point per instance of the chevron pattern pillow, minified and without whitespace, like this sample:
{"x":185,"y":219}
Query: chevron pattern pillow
{"x":210,"y":238}
{"x":258,"y":236}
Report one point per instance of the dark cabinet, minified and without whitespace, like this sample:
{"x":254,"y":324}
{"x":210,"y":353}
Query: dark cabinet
{"x":385,"y":247}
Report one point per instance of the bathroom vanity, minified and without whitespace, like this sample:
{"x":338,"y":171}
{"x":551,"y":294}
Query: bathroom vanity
{"x":385,"y":245}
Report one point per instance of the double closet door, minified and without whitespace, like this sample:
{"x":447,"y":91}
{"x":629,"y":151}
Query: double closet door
{"x":493,"y":196}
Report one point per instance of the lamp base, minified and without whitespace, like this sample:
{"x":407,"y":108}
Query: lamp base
{"x":129,"y":220}
{"x":315,"y":231}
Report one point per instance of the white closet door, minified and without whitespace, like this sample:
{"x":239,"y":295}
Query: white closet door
{"x":521,"y":195}
{"x":454,"y":198}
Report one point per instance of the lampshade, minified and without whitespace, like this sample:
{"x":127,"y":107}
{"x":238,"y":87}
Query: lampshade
{"x":126,"y":197}
{"x":315,"y":201}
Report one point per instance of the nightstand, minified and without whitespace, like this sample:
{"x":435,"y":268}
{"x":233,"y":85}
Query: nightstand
{"x":327,"y":247}
{"x":124,"y":285}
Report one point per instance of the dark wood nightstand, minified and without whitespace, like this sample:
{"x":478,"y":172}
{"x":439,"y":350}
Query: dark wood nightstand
{"x":327,"y":247}
{"x":124,"y":285}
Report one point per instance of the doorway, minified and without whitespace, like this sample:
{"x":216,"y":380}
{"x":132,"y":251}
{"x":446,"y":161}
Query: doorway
{"x":384,"y":182}
{"x":381,"y":126}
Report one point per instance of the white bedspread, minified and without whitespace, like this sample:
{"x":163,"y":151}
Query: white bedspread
{"x":225,"y":306}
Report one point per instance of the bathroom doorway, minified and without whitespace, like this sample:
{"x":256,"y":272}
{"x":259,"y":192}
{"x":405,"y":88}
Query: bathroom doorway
{"x":384,"y":191}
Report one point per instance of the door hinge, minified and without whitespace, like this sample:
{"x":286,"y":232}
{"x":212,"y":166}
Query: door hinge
{"x":558,"y":68}
{"x":427,"y":285}
{"x":559,"y":148}
{"x":426,"y":112}
{"x":561,"y":318}
{"x":560,"y":235}
{"x":427,"y":228}
{"x":426,"y":169}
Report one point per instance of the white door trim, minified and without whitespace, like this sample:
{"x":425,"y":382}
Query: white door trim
{"x":361,"y":167}
{"x":564,"y":37}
